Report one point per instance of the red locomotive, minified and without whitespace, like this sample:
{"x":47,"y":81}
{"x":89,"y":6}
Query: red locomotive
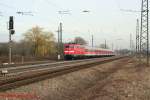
{"x":72,"y":51}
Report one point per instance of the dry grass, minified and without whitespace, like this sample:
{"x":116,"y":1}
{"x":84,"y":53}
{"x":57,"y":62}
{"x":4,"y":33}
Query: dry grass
{"x":118,"y":80}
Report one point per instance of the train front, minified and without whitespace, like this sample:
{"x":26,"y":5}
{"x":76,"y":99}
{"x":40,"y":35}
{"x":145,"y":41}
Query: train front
{"x":69,"y":51}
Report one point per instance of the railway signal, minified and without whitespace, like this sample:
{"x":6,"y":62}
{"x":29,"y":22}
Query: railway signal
{"x":11,"y":23}
{"x":11,"y":32}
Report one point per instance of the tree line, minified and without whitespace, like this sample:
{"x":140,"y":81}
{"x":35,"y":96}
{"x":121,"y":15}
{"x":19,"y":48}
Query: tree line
{"x":36,"y":43}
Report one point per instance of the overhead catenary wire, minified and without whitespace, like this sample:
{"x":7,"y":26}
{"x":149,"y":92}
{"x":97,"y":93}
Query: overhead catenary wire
{"x":7,"y":6}
{"x":58,"y":7}
{"x":25,"y":13}
{"x":129,"y":10}
{"x":15,"y":10}
{"x":125,"y":10}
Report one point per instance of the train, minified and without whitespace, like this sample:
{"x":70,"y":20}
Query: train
{"x":77,"y":51}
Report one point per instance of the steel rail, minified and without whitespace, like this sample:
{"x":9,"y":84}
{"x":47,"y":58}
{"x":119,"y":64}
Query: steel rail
{"x":37,"y":66}
{"x":33,"y":76}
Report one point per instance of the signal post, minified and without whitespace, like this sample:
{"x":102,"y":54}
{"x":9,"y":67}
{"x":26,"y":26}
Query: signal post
{"x":11,"y":32}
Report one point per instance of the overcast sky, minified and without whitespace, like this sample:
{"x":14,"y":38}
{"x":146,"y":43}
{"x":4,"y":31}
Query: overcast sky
{"x":105,"y":19}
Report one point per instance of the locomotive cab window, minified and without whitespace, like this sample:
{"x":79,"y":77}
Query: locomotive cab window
{"x":67,"y":46}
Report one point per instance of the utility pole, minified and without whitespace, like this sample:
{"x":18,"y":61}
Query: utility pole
{"x":131,"y":49}
{"x":137,"y":38}
{"x":105,"y":44}
{"x":58,"y":36}
{"x":61,"y":43}
{"x":60,"y":32}
{"x":62,"y":12}
{"x":144,"y":35}
{"x":92,"y":41}
{"x":112,"y":46}
{"x":58,"y":45}
{"x":10,"y":48}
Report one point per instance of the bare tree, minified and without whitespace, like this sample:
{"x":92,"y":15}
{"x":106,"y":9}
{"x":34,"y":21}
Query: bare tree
{"x":104,"y":46}
{"x":43,"y":42}
{"x":80,"y":40}
{"x":3,"y":49}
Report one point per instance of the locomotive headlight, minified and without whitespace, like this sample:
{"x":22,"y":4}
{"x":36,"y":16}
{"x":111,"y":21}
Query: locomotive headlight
{"x":66,"y":51}
{"x":71,"y":51}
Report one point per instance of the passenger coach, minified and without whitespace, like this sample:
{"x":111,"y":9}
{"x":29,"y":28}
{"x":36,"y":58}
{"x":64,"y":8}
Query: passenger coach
{"x":73,"y":51}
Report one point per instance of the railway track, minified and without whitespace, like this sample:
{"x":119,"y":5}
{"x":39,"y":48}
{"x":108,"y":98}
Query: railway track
{"x":25,"y":68}
{"x":23,"y":75}
{"x":26,"y":63}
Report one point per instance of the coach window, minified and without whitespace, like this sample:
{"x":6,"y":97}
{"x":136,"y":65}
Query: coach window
{"x":86,"y":50}
{"x":71,"y":46}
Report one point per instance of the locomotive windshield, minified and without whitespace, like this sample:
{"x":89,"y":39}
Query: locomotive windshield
{"x":69,"y":46}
